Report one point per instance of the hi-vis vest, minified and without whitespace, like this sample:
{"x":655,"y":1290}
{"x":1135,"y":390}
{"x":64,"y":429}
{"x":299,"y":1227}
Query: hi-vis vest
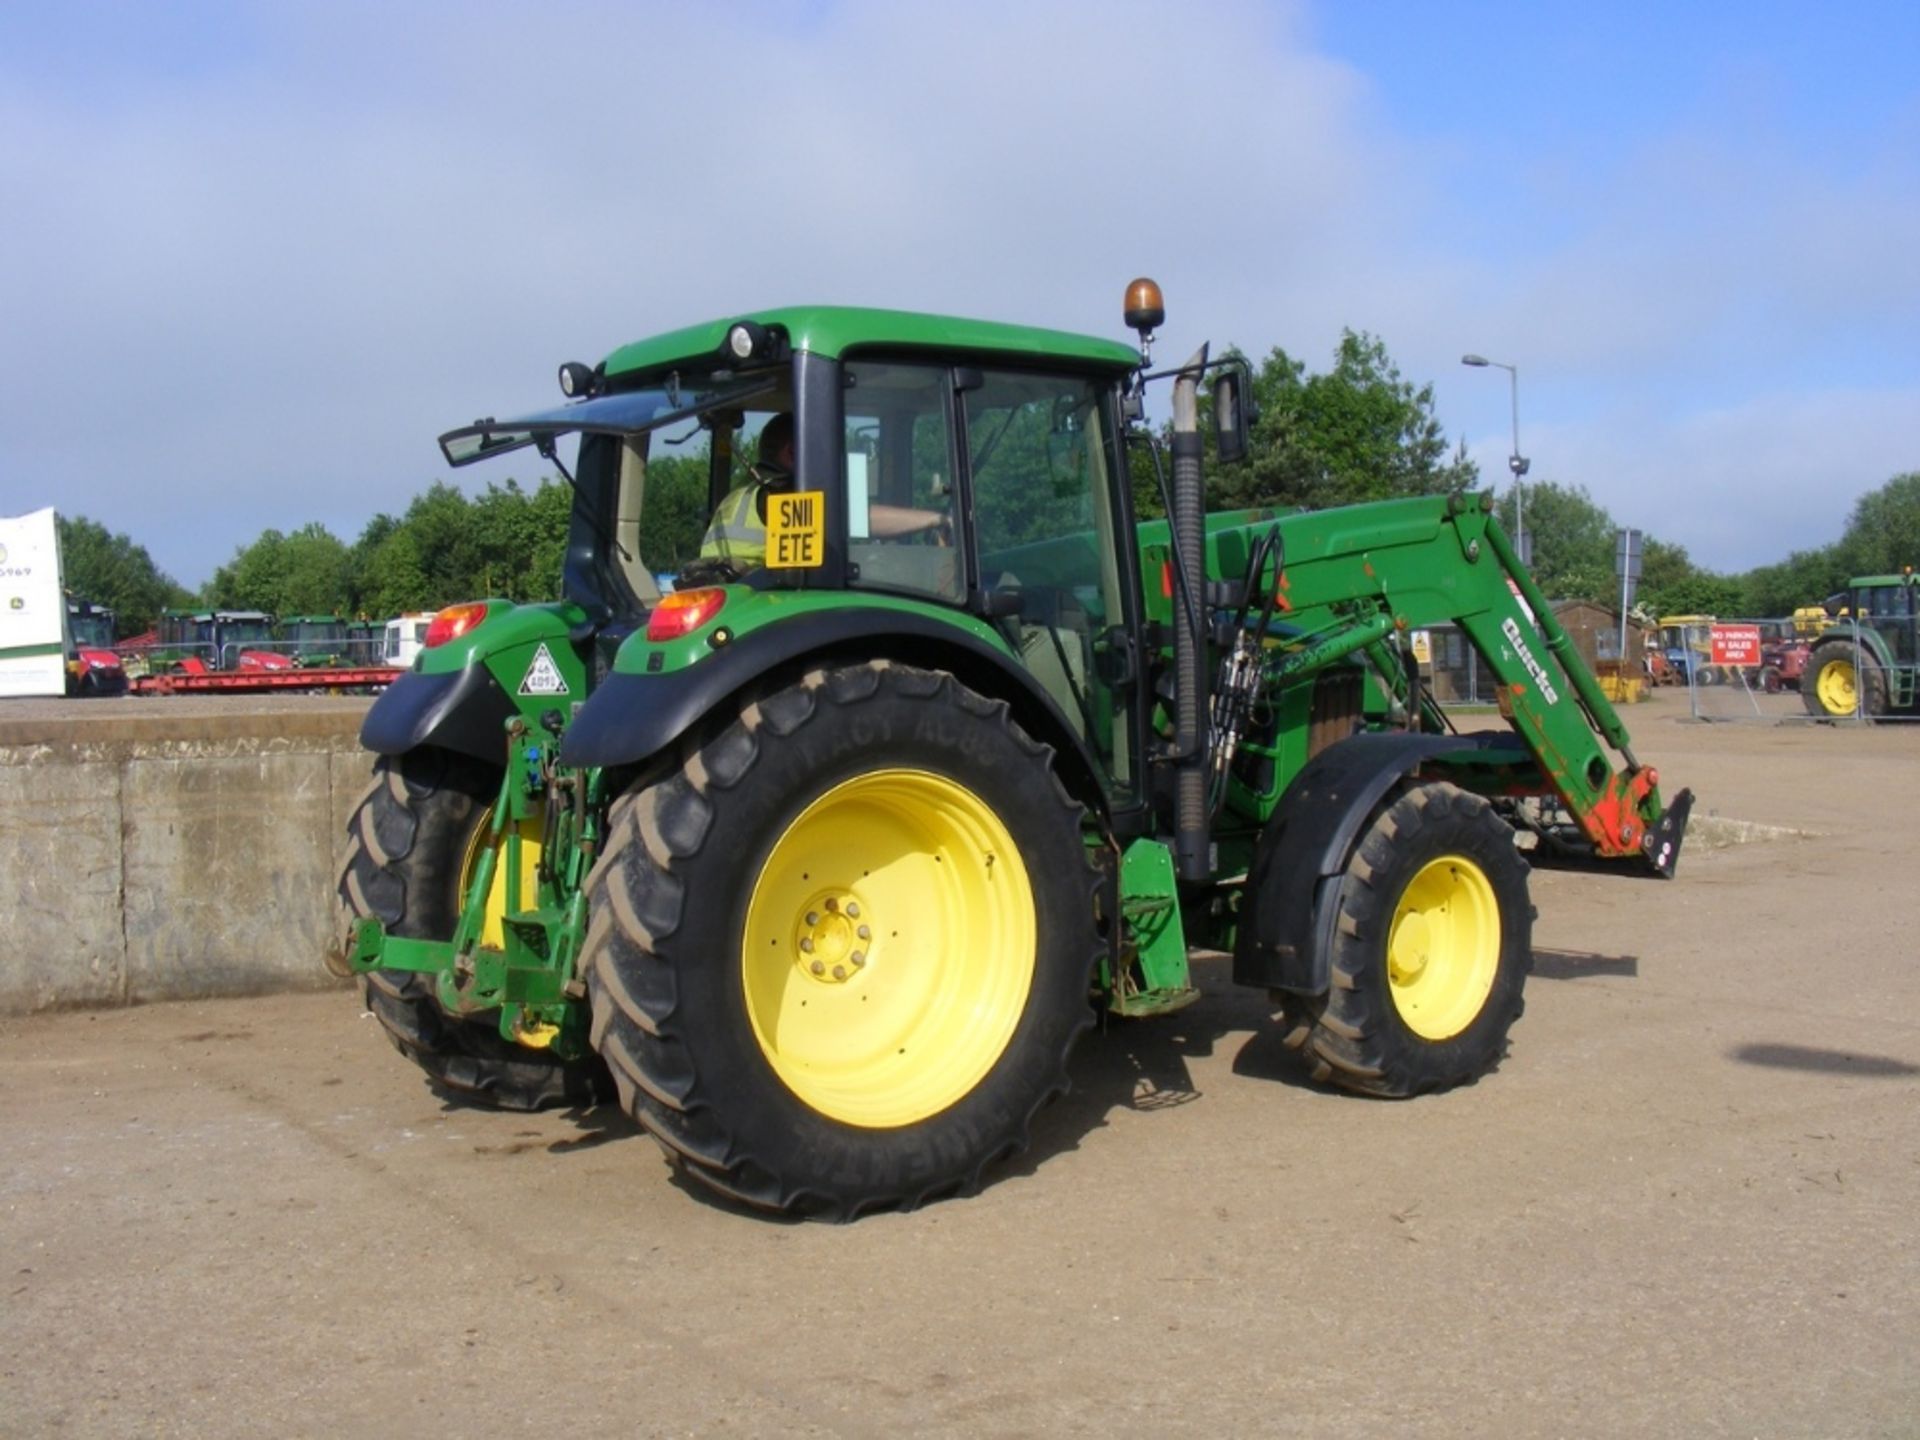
{"x":737,"y":532}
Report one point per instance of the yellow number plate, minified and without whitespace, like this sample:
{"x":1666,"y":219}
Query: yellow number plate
{"x":796,"y":530}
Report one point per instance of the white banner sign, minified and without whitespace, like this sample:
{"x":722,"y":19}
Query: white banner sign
{"x":33,"y":609}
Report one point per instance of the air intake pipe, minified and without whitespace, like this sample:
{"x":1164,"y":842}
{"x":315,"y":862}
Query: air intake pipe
{"x":1192,"y":833}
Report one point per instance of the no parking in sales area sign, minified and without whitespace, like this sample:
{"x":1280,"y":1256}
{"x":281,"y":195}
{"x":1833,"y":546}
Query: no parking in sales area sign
{"x":1736,"y":644}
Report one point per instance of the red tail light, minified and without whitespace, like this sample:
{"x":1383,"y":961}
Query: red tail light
{"x":453,"y":622}
{"x":683,"y":612}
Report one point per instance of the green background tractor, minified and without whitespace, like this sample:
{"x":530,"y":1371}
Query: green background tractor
{"x":822,"y":860}
{"x":1867,"y":663}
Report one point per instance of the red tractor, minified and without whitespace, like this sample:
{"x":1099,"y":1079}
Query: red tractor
{"x":1783,"y":656}
{"x":92,"y":666}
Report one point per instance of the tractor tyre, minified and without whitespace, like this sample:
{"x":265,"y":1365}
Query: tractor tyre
{"x":1431,"y":951}
{"x":839,"y":959}
{"x":410,"y":847}
{"x":1834,"y":686}
{"x":1771,"y":680}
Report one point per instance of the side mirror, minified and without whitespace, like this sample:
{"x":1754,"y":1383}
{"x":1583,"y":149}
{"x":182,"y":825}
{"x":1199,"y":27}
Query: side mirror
{"x":1230,"y":441}
{"x":1002,"y":603}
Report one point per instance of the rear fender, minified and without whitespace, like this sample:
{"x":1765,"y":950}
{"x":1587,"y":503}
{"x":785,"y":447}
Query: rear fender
{"x":521,"y":660}
{"x":463,"y":710}
{"x":1293,"y":890}
{"x":633,"y":717}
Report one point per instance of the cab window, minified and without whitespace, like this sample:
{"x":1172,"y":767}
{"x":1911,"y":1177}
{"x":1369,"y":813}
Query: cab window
{"x":899,"y":468}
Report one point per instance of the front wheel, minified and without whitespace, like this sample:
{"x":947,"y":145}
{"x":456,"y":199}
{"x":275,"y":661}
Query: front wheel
{"x":838,"y":961}
{"x":1431,"y":951}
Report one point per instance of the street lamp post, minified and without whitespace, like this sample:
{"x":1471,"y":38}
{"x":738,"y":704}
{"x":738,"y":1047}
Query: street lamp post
{"x":1516,"y":462}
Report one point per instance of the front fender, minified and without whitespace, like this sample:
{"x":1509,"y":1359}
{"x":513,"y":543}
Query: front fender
{"x":1293,"y":890}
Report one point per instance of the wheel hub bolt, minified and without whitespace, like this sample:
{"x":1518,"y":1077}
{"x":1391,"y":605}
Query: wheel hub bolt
{"x":839,"y":972}
{"x":813,"y":917}
{"x":806,"y":943}
{"x":853,"y":909}
{"x":859,"y":958}
{"x":818,"y":968}
{"x":833,"y":904}
{"x":864,"y":933}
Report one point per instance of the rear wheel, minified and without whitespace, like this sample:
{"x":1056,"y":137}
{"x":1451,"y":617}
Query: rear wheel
{"x":1833,"y":685}
{"x":1431,"y":951}
{"x":412,"y":845}
{"x":838,"y":962}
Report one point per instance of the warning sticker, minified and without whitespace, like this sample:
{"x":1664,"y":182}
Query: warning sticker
{"x":796,"y":530}
{"x":543,"y":677}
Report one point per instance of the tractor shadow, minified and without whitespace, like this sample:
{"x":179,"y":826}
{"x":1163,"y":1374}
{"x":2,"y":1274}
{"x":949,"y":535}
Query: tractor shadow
{"x":1818,"y":1061}
{"x":1146,"y":1064}
{"x":1582,"y":965}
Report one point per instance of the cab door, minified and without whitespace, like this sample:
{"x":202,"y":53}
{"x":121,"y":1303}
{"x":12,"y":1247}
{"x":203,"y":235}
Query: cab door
{"x":1041,"y":470}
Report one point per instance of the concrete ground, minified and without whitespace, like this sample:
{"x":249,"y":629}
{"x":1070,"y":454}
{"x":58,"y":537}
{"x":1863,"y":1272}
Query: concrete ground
{"x":1685,"y":1205}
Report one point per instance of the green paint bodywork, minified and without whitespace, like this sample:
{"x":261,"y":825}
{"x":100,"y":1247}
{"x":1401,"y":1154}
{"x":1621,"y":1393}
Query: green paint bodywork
{"x":832,"y":330}
{"x":1891,"y":642}
{"x":1353,"y":582}
{"x":1149,"y":976}
{"x":747,"y":610}
{"x":508,"y":642}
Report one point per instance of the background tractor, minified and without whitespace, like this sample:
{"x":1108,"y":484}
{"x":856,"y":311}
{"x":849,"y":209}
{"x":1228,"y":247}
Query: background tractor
{"x":93,"y":666}
{"x":199,"y":642}
{"x":822,"y":860}
{"x":1866,"y":663}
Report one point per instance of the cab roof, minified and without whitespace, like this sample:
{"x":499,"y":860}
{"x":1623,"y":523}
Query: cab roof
{"x":831,"y":330}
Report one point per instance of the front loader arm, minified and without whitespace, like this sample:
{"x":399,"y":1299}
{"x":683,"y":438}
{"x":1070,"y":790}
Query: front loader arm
{"x":1354,"y":580}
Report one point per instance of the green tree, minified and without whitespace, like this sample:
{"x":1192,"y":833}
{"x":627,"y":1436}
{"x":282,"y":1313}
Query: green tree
{"x":1572,"y":539}
{"x":1806,"y":577}
{"x":1883,"y":533}
{"x":305,"y":573}
{"x":1361,"y":431}
{"x":675,"y":515}
{"x":111,"y":570}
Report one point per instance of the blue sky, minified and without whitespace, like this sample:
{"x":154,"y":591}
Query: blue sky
{"x":255,"y":257}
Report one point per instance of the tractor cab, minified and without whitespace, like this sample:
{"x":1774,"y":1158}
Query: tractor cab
{"x":965,"y":477}
{"x":315,"y":640}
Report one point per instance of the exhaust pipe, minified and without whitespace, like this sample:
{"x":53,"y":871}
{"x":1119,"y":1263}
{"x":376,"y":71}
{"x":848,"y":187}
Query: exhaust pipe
{"x":1192,"y":831}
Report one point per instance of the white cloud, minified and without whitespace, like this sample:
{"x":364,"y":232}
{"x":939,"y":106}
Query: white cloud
{"x":252,"y":296}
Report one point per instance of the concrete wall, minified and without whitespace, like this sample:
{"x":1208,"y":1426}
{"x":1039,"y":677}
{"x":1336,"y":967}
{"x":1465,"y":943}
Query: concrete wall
{"x":171,"y":848}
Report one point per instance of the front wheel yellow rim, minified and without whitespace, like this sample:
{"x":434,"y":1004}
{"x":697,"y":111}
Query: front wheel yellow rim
{"x":889,"y":948}
{"x":1838,"y":692}
{"x":1443,"y":949}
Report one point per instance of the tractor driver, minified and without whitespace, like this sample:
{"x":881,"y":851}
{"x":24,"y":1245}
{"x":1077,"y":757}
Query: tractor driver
{"x":737,"y":536}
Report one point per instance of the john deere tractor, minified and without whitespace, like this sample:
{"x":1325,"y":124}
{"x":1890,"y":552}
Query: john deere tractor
{"x":1867,"y":662}
{"x":822,"y":858}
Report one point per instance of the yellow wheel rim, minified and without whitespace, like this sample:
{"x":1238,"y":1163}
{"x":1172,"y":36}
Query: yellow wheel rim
{"x":492,"y":934}
{"x":1444,"y":948}
{"x":1836,"y":687}
{"x":889,"y":948}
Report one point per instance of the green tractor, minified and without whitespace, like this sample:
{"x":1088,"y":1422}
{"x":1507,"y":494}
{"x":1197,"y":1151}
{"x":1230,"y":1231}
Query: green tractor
{"x":1867,"y":662}
{"x":315,"y":641}
{"x":822,"y":860}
